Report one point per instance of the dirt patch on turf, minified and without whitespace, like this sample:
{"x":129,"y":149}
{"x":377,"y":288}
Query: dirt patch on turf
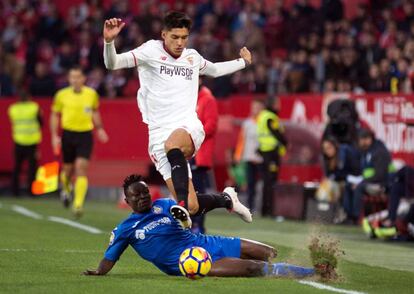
{"x":324,"y":253}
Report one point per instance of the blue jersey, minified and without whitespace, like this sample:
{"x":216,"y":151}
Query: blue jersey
{"x":158,"y":238}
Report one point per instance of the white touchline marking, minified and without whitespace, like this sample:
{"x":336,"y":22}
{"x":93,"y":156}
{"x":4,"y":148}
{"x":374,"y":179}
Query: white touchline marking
{"x":26,"y":212}
{"x":32,"y":214}
{"x":81,"y":251}
{"x":329,"y":288}
{"x":77,"y":225}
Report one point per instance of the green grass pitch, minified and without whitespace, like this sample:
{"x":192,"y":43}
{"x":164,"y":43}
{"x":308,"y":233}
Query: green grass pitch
{"x":40,"y":256}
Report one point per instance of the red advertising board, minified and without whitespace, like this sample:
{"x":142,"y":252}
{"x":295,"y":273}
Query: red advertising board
{"x":391,"y":118}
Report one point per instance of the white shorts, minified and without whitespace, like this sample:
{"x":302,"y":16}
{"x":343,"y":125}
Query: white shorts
{"x":157,"y":138}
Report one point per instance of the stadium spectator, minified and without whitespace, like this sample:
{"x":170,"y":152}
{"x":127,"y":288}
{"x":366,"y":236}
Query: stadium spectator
{"x":332,"y":10}
{"x":300,"y":73}
{"x":26,"y":120}
{"x":379,"y":34}
{"x":374,"y":82}
{"x":339,"y":160}
{"x":42,"y":83}
{"x":50,"y":25}
{"x":66,"y":57}
{"x":89,"y":53}
{"x":375,"y":166}
{"x":96,"y":80}
{"x":6,"y":84}
{"x":11,"y":67}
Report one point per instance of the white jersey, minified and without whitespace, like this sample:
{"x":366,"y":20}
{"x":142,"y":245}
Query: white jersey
{"x":169,"y":86}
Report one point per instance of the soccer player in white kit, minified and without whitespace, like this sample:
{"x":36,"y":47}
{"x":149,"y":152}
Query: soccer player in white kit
{"x":168,"y":74}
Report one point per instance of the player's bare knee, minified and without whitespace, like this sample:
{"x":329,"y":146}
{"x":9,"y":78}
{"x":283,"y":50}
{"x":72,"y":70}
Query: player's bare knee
{"x":169,"y":145}
{"x":271,"y":253}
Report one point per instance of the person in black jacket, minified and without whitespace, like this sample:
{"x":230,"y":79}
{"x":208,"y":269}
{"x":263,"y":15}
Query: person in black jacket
{"x":375,"y":164}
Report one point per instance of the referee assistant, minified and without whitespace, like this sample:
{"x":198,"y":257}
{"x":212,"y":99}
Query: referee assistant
{"x":77,"y":106}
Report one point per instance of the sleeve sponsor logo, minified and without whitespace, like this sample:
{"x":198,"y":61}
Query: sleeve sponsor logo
{"x":112,"y":238}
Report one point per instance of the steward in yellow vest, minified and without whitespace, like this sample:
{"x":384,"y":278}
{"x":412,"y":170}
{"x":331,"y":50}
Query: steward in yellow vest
{"x":26,"y":121}
{"x":272,"y":145}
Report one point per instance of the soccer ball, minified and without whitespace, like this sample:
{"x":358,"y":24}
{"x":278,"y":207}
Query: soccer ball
{"x":194,"y":263}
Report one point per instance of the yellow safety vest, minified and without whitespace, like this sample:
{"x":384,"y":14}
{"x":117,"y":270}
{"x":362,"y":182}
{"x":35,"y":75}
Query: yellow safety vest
{"x":268,"y":142}
{"x":25,"y":124}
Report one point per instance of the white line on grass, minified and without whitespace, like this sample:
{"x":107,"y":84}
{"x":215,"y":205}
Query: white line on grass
{"x":77,"y":225}
{"x":26,"y":212}
{"x":329,"y":288}
{"x":56,"y":219}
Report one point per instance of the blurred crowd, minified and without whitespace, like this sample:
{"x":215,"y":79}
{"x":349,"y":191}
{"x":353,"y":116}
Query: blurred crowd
{"x":300,"y":49}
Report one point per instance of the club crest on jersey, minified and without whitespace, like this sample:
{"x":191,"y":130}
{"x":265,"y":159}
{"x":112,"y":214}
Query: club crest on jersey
{"x":187,"y":73}
{"x":157,"y":209}
{"x":140,"y":234}
{"x":190,"y":60}
{"x":163,"y":58}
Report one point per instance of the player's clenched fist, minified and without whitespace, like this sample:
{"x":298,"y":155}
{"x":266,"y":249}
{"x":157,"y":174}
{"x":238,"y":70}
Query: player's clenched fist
{"x":246,"y":55}
{"x":111,"y":29}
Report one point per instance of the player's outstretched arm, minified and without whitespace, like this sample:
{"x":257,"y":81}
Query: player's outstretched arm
{"x":104,"y":267}
{"x":112,"y":60}
{"x":219,"y":69}
{"x":111,"y":29}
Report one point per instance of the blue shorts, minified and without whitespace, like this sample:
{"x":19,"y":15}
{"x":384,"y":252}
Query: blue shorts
{"x":219,"y":247}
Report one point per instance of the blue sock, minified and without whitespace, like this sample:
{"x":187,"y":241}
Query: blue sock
{"x":290,"y":270}
{"x":266,"y":268}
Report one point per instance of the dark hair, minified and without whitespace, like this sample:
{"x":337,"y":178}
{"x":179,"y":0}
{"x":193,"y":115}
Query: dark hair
{"x":175,"y":19}
{"x":76,"y":67}
{"x":131,"y":179}
{"x":333,"y":141}
{"x":366,"y":133}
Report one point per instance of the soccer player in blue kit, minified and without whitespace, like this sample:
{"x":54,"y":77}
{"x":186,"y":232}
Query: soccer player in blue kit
{"x":158,"y":238}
